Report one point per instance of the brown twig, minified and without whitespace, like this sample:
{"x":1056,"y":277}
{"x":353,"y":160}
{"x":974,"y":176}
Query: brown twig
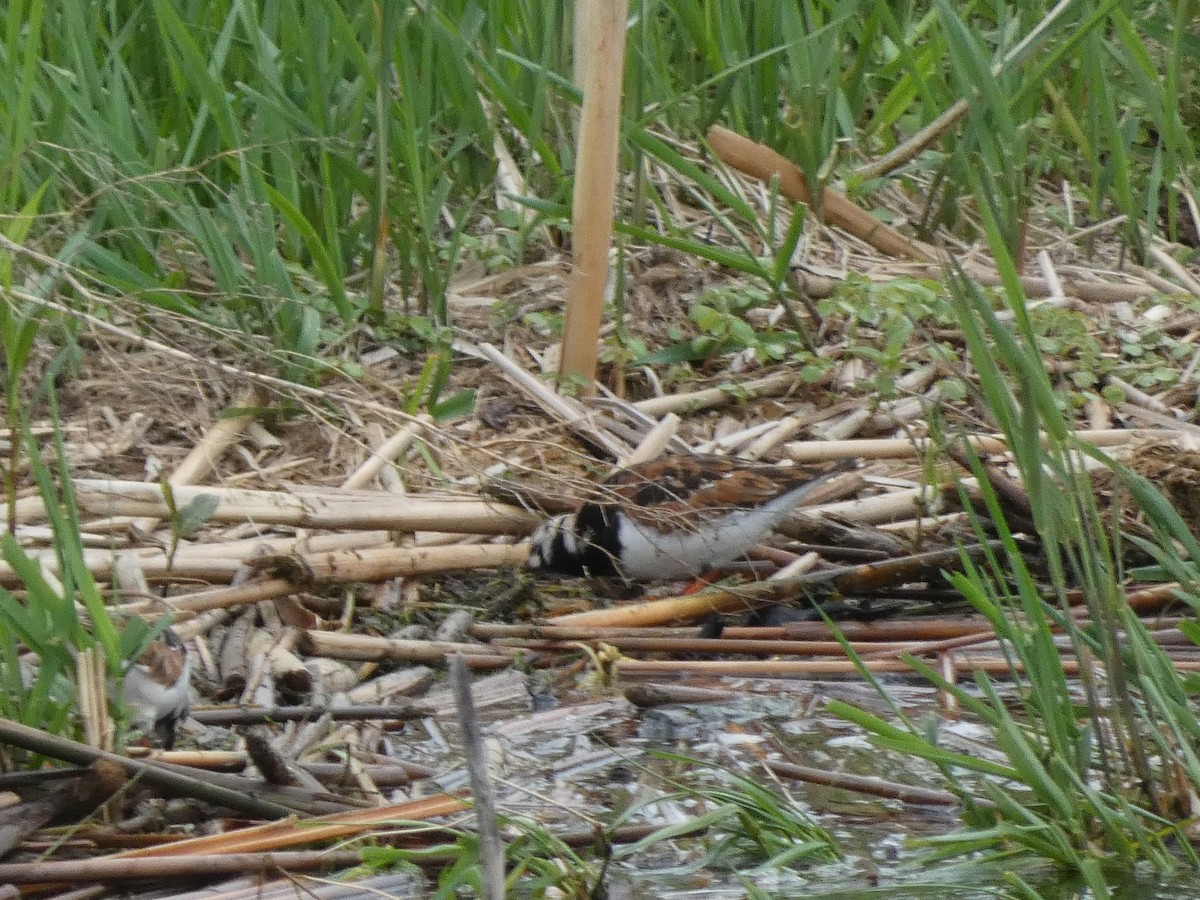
{"x":862,"y":784}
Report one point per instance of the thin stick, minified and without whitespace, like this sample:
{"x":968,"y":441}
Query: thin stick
{"x":876,"y":787}
{"x":491,"y":847}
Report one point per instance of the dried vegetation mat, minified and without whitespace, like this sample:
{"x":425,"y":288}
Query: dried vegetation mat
{"x":323,"y":555}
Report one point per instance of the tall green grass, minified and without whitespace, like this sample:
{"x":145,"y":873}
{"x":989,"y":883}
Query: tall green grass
{"x":289,"y":168}
{"x":1097,"y":783}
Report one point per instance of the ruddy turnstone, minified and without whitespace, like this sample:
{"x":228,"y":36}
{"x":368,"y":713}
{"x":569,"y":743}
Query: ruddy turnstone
{"x":157,"y":687}
{"x":671,"y":517}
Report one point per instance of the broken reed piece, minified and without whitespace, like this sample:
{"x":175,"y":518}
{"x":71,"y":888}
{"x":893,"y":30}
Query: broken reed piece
{"x":655,"y":442}
{"x":408,"y":681}
{"x":661,"y":612}
{"x":650,"y":694}
{"x":286,"y":669}
{"x":762,"y":162}
{"x":390,"y":562}
{"x":365,"y":647}
{"x":769,"y":386}
{"x":566,"y":410}
{"x":884,"y":508}
{"x":383,"y":455}
{"x":371,"y":563}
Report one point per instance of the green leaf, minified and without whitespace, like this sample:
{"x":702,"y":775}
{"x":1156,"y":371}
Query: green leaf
{"x":196,"y":513}
{"x":316,"y":247}
{"x":461,"y":404}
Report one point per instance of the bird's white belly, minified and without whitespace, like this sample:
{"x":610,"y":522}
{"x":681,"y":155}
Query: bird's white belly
{"x":151,"y":700}
{"x":646,"y":553}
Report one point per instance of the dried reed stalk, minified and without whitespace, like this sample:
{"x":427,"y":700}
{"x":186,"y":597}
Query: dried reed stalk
{"x":387,"y":451}
{"x":691,"y":401}
{"x":567,"y":410}
{"x":380,"y":563}
{"x":903,"y":448}
{"x":659,"y":612}
{"x":847,"y":580}
{"x":294,"y":832}
{"x":364,"y":647}
{"x":706,"y":645}
{"x":863,"y":784}
{"x":373,"y":564}
{"x":306,"y":508}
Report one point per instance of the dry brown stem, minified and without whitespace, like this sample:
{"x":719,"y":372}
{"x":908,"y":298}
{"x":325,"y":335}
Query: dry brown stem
{"x":762,"y":162}
{"x":364,"y":647}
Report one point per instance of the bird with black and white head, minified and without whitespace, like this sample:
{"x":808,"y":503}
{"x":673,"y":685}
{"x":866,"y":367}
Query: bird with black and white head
{"x":672,"y":517}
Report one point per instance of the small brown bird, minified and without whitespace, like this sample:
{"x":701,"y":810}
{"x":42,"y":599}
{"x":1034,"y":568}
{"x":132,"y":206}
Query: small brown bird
{"x":672,"y":517}
{"x":157,"y":686}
